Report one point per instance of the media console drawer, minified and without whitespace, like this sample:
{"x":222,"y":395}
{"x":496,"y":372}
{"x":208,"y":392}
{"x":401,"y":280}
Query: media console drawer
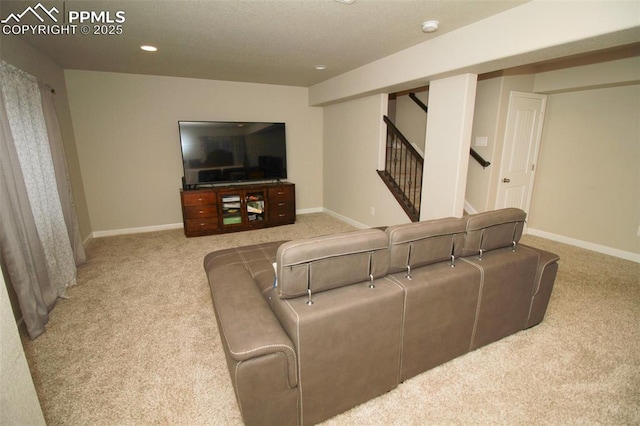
{"x":201,"y":226}
{"x":199,"y":212}
{"x":198,"y":198}
{"x":193,"y":212}
{"x":282,"y":204}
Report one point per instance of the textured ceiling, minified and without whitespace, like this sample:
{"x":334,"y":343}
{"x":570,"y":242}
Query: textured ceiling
{"x":267,"y":41}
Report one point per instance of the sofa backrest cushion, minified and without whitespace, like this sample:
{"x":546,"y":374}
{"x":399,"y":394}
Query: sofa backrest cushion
{"x":331,"y":261}
{"x":492,"y":230}
{"x":423,"y":243}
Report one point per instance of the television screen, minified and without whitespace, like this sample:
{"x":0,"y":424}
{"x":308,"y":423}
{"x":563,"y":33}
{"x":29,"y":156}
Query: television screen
{"x":224,"y":152}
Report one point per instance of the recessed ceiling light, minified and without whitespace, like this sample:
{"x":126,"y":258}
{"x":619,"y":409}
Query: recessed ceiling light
{"x":321,"y":67}
{"x":148,"y":48}
{"x":345,"y":1}
{"x":430,"y":26}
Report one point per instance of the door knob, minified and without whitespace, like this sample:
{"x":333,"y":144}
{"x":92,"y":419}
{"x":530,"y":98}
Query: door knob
{"x":505,"y":180}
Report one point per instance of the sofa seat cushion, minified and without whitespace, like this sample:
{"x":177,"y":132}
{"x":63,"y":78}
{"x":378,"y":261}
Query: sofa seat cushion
{"x":332,"y":261}
{"x":507,"y":288}
{"x":348,"y":343}
{"x":440,"y":311}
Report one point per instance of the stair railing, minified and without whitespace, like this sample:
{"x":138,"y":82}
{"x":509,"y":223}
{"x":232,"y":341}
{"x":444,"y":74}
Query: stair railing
{"x":403,"y":171}
{"x":419,"y":102}
{"x":484,"y":163}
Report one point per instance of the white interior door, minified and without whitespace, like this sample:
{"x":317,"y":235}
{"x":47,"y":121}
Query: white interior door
{"x":520,"y":152}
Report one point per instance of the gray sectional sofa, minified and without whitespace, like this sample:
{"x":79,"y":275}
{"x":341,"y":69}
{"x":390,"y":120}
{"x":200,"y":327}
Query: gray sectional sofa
{"x":350,"y":316}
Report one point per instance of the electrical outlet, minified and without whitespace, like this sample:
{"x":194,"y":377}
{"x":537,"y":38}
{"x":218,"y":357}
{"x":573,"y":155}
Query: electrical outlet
{"x":372,"y":211}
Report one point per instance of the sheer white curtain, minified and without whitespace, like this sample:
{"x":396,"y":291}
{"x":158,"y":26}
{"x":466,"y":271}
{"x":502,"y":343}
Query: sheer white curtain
{"x":33,"y":228}
{"x":62,"y":175}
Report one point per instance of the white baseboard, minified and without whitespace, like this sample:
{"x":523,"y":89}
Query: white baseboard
{"x":309,"y":211}
{"x":634,"y":257}
{"x":346,"y":219}
{"x":140,"y":230}
{"x":469,"y":208}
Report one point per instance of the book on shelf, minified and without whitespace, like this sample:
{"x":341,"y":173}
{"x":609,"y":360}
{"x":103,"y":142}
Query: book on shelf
{"x":254,"y":217}
{"x":232,"y":220}
{"x":255,"y":206}
{"x":231,"y":198}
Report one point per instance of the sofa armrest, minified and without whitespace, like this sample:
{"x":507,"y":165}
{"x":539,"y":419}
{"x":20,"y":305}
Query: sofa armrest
{"x":543,"y":284}
{"x":247,"y":324}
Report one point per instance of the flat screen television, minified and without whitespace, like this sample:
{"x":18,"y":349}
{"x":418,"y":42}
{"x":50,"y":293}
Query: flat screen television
{"x":217,"y":152}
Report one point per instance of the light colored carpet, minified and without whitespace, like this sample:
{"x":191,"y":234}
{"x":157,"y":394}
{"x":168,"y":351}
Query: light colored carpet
{"x":137,"y":344}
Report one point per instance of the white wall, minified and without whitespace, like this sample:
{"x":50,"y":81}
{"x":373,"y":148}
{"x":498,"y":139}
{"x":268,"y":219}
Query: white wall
{"x":491,"y":107}
{"x":599,"y":75}
{"x":126,"y":129}
{"x":512,"y":38}
{"x":18,"y":399}
{"x":411,"y":120}
{"x":485,"y":125}
{"x":587,"y":187}
{"x":352,"y":140}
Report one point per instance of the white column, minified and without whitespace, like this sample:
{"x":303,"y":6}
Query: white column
{"x":449,"y":122}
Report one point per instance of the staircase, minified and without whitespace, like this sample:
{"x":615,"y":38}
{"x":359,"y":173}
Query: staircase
{"x":403,"y":171}
{"x":404,"y":164}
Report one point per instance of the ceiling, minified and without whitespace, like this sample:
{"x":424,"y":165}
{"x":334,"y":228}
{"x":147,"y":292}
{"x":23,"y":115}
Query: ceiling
{"x":261,"y":41}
